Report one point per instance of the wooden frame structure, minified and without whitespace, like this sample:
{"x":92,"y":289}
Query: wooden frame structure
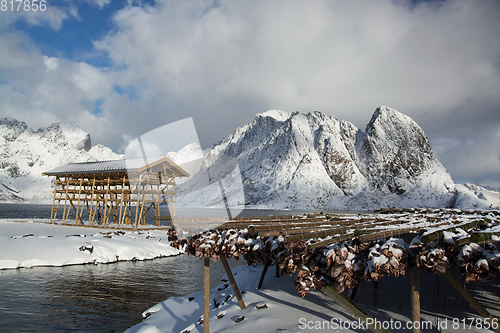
{"x":322,"y":231}
{"x":107,"y":191}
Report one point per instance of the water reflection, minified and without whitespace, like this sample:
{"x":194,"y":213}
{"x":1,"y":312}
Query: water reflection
{"x":95,"y":298}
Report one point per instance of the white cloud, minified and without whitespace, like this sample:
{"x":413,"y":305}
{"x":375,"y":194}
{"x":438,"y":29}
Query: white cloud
{"x":333,"y":56}
{"x":53,"y":16}
{"x":99,"y":3}
{"x":470,"y":157}
{"x":222,"y":62}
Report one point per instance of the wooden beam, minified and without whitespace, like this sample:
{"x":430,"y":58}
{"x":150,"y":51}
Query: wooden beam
{"x":78,"y":203}
{"x":52,"y":215}
{"x":91,"y":209}
{"x":206,"y":296}
{"x":65,"y":199}
{"x":104,"y":215}
{"x":263,"y":274}
{"x":138,"y":200}
{"x":415,"y":298}
{"x":232,"y":281}
{"x":470,"y":298}
{"x":122,"y":197}
{"x":354,"y":310}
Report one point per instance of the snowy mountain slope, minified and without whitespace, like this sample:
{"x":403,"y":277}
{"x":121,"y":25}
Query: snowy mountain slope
{"x":314,"y":161}
{"x":25,"y":154}
{"x":477,"y":197}
{"x":285,"y":160}
{"x":396,"y":158}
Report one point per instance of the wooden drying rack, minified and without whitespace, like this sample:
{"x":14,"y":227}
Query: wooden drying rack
{"x":338,"y":228}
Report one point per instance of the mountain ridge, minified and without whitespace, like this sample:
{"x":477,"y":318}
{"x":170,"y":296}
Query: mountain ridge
{"x":314,"y":161}
{"x":26,"y":153}
{"x":286,"y":161}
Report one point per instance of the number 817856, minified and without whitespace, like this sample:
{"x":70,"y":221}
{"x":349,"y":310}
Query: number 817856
{"x":23,"y":5}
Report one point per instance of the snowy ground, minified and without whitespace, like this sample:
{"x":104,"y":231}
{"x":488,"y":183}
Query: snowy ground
{"x":38,"y":243}
{"x":277,"y":307}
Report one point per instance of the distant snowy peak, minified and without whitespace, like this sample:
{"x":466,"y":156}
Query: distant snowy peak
{"x":67,"y":135}
{"x":190,"y":152}
{"x":25,"y":154}
{"x":396,"y":151}
{"x":293,"y":160}
{"x":11,"y":128}
{"x":276,"y":114}
{"x":477,"y":197}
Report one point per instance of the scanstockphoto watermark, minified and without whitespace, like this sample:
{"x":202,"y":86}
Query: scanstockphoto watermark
{"x":460,"y":325}
{"x":336,"y":324}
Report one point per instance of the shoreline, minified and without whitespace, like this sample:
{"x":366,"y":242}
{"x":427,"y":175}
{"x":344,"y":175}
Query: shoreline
{"x":37,"y":243}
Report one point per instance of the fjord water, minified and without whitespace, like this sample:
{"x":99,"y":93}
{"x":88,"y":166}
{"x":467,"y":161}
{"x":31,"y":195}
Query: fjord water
{"x":96,"y":298}
{"x":91,"y":298}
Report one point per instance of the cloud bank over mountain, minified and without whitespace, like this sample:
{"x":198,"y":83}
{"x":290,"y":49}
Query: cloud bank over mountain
{"x":221,"y":62}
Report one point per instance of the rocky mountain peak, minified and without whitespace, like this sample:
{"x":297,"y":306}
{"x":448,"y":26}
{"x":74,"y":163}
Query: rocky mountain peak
{"x":314,"y":160}
{"x":11,"y":128}
{"x":395,"y":151}
{"x":26,"y":153}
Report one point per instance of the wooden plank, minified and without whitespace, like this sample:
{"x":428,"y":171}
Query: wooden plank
{"x":306,"y":229}
{"x":163,"y":218}
{"x":470,"y":298}
{"x":353,"y":309}
{"x":232,"y":281}
{"x":65,"y":199}
{"x":138,"y":200}
{"x":52,"y":215}
{"x":415,"y":298}
{"x":122,"y":197}
{"x":78,"y":203}
{"x":206,"y":296}
{"x":104,"y":215}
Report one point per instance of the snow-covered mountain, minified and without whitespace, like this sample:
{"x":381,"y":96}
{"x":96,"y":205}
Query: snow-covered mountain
{"x":314,"y":161}
{"x":25,"y":154}
{"x":286,"y":160}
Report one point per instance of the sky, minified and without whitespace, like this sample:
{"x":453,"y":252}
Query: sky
{"x":121,"y":68}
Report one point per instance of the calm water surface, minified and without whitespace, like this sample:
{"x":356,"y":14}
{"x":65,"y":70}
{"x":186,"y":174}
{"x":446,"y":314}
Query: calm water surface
{"x":95,"y":298}
{"x":92,"y":298}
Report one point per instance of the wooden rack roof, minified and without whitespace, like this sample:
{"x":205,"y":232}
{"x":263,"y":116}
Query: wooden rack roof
{"x":118,"y":166}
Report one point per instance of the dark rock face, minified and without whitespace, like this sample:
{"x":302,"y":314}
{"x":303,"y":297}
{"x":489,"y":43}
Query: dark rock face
{"x":395,"y":151}
{"x":11,"y":128}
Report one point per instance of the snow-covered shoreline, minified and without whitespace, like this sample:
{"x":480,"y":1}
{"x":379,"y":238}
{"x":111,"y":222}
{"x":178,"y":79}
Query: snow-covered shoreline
{"x":30,"y":243}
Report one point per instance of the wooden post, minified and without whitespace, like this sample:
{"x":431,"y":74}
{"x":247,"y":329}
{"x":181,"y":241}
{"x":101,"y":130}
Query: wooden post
{"x":206,"y":297}
{"x":122,"y":197}
{"x":52,"y":214}
{"x":232,"y":281}
{"x":92,"y":209}
{"x":263,"y":274}
{"x":65,"y":199}
{"x":353,"y":309}
{"x":78,"y":202}
{"x":137,"y":206}
{"x":415,"y":298}
{"x":105,"y":205}
{"x":470,"y":298}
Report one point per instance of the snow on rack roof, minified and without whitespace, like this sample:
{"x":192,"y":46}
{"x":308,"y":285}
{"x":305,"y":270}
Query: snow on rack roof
{"x":115,"y":166}
{"x":89,"y":167}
